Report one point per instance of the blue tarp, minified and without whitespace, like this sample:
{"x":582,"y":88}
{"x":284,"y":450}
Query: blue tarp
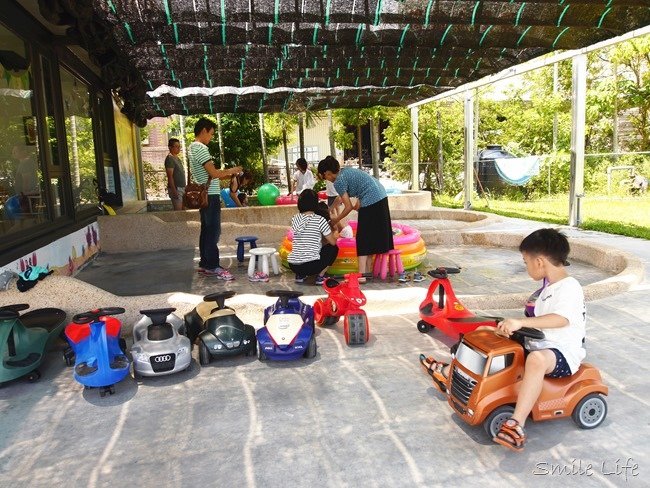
{"x":517,"y":171}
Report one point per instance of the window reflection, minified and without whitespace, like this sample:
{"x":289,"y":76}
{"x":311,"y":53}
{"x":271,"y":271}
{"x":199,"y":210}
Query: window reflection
{"x":79,"y":134}
{"x":21,"y":176}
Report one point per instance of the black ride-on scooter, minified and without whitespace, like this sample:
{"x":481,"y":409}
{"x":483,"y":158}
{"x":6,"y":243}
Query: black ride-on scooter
{"x":217,"y":329}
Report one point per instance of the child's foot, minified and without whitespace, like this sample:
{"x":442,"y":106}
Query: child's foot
{"x":299,"y":279}
{"x":263,"y":277}
{"x":511,"y":435}
{"x":219,"y":273}
{"x":417,"y":277}
{"x":319,"y":280}
{"x":403,"y":278}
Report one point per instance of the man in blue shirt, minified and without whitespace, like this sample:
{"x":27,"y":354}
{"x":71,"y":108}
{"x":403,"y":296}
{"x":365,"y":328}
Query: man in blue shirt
{"x":374,"y":227}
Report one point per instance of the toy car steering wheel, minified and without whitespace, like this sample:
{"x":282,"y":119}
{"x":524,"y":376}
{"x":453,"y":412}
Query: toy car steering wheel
{"x":284,"y":295}
{"x":523,"y":333}
{"x":7,"y":314}
{"x":442,"y":272}
{"x":158,"y":316}
{"x":18,"y":307}
{"x":93,"y":315}
{"x":220,"y":298}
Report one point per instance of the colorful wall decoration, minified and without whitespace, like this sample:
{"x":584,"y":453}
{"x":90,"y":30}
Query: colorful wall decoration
{"x":126,"y":154}
{"x":64,"y":256}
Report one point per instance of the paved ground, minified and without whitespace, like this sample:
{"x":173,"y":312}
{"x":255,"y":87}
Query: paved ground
{"x":363,"y":416}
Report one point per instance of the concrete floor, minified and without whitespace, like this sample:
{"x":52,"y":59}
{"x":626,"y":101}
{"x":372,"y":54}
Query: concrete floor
{"x":362,"y":416}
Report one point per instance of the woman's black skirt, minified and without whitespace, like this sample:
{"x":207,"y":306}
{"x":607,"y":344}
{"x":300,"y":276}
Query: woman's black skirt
{"x":374,"y":229}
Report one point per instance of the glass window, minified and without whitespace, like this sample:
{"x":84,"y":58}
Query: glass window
{"x":77,"y":112}
{"x":471,"y":359}
{"x":311,"y":154}
{"x":21,"y":177}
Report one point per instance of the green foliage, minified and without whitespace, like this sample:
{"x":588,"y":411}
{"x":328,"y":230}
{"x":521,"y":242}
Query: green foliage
{"x":397,"y":138}
{"x":241,"y":141}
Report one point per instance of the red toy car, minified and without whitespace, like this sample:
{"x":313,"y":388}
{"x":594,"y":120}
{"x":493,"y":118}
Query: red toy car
{"x":446,"y":312}
{"x":344,"y":299}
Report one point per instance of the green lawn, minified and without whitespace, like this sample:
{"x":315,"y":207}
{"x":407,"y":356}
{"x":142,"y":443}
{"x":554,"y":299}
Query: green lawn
{"x":628,"y":216}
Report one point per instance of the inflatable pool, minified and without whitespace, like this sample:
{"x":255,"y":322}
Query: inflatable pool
{"x":406,"y":238}
{"x":287,"y":200}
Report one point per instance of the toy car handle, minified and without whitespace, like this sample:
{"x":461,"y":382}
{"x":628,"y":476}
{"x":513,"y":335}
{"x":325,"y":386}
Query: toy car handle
{"x":158,"y":316}
{"x":525,"y":332}
{"x":93,"y":315}
{"x":219,"y":297}
{"x":18,"y":307}
{"x":442,"y":272}
{"x":284,"y":295}
{"x":7,"y":314}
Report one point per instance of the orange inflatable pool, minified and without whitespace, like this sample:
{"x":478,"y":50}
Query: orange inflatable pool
{"x":406,"y":238}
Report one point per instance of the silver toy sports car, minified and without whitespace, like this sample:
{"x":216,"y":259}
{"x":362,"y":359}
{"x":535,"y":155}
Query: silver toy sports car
{"x":159,"y":344}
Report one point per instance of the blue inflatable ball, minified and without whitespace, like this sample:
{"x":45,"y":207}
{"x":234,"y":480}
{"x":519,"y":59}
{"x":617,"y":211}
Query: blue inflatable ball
{"x":12,"y":207}
{"x":226,"y":198}
{"x":267,"y":193}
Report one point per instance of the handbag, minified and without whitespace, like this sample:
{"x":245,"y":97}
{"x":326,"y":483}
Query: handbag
{"x":196,"y":194}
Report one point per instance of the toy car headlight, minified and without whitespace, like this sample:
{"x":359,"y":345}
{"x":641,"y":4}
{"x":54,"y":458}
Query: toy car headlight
{"x":182,"y":350}
{"x":139,"y":355}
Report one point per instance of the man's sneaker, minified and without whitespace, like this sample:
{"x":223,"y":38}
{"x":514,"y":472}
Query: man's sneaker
{"x":219,"y":273}
{"x":299,"y":279}
{"x":403,"y":278}
{"x":417,"y":277}
{"x":319,"y":280}
{"x":259,"y":277}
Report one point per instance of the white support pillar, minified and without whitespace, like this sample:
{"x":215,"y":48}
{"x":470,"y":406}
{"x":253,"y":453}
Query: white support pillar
{"x":578,"y":113}
{"x":415,"y":149}
{"x":469,"y":148}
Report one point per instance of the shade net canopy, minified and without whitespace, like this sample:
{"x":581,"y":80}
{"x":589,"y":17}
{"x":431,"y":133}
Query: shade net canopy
{"x":207,"y":56}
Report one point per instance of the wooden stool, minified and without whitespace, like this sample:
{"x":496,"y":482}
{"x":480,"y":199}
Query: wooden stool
{"x":252,"y":240}
{"x":263,"y":262}
{"x":388,"y":263}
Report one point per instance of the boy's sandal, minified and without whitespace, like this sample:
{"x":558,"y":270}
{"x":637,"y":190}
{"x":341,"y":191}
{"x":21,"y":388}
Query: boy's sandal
{"x":435,"y":370}
{"x":511,"y":435}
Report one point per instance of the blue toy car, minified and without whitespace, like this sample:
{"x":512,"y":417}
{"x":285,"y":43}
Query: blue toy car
{"x":99,"y":351}
{"x":288,"y":331}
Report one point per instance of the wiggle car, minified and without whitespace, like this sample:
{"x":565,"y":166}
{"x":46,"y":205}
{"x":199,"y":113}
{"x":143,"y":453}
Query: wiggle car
{"x":485,"y":376}
{"x":217,"y":330}
{"x":288,"y":331}
{"x":159,"y":346}
{"x":24,"y":339}
{"x":446,"y":312}
{"x":100,"y":358}
{"x":344,"y":299}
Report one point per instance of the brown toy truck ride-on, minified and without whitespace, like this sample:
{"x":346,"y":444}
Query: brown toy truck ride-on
{"x":485,"y":375}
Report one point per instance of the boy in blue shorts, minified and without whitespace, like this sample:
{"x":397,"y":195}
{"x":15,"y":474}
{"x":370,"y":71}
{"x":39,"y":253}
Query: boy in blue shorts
{"x":560,"y":312}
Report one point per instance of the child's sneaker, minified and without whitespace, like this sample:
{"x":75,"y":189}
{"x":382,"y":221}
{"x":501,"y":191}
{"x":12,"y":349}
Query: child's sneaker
{"x":319,"y":280}
{"x":417,"y":277}
{"x":259,"y":277}
{"x":299,"y":279}
{"x":403,"y":278}
{"x":219,"y":273}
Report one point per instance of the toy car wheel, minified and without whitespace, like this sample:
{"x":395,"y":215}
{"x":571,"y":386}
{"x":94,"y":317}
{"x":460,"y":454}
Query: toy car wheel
{"x":136,"y":375}
{"x":423,"y":327}
{"x":590,"y":411}
{"x":68,"y":356}
{"x":499,"y":415}
{"x":312,"y":348}
{"x":33,"y":376}
{"x":204,"y":354}
{"x":330,"y":320}
{"x":252,"y":350}
{"x":261,"y":355}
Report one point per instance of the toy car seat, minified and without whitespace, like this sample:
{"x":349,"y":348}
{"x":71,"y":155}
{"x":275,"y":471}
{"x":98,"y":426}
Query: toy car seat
{"x":100,"y":358}
{"x":25,"y":338}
